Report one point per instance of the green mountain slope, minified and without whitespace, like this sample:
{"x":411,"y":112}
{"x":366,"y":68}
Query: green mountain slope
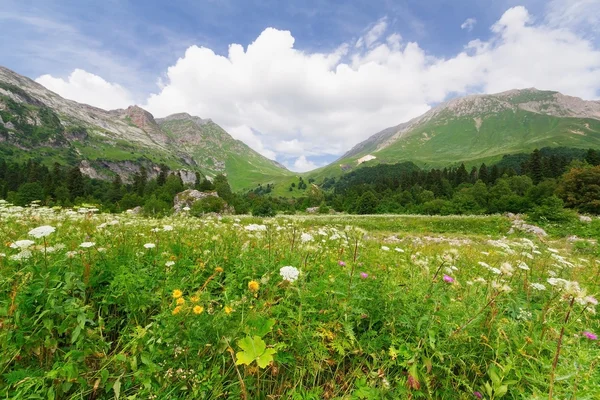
{"x":35,"y":122}
{"x":480,"y":128}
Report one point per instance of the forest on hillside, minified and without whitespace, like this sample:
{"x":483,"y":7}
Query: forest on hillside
{"x":544,"y":181}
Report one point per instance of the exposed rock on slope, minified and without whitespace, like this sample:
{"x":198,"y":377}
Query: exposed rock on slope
{"x":36,"y":122}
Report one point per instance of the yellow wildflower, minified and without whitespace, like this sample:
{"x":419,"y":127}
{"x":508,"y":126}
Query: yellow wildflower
{"x":176,"y":310}
{"x":195,"y":299}
{"x":228,"y":310}
{"x":198,"y":310}
{"x":218,"y":270}
{"x":253,"y":286}
{"x":177,"y":293}
{"x":180,"y":301}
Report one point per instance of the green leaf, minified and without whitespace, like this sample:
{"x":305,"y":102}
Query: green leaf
{"x":254,"y":349}
{"x":117,"y":388}
{"x":104,"y":375}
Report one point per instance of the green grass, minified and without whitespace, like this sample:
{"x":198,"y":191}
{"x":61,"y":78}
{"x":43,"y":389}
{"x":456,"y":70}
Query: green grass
{"x":449,"y":140}
{"x":385,"y":307}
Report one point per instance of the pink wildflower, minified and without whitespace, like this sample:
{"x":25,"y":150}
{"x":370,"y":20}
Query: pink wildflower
{"x":341,"y":263}
{"x":364,"y":275}
{"x":590,"y":335}
{"x":448,"y":278}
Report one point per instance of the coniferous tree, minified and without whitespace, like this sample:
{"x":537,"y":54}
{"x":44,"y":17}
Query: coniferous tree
{"x":75,"y":183}
{"x":593,"y":157}
{"x":162,"y":175}
{"x":494,"y":174}
{"x":535,"y":167}
{"x":473,"y":175}
{"x":483,"y":173}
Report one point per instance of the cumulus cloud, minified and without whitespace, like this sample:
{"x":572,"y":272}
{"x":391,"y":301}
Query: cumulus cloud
{"x":302,"y":165}
{"x":85,"y":87}
{"x":294,"y":105}
{"x":469,"y":24}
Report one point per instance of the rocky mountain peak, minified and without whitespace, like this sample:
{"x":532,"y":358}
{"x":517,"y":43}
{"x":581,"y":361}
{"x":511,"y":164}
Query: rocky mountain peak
{"x":140,"y":118}
{"x":186,"y":117}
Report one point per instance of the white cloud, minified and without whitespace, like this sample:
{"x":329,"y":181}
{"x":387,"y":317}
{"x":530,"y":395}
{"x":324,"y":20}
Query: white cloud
{"x":376,"y":32}
{"x":296,"y":104}
{"x":88,"y":88}
{"x":302,"y":165}
{"x":469,"y":24}
{"x":583,"y":15}
{"x":246,"y":135}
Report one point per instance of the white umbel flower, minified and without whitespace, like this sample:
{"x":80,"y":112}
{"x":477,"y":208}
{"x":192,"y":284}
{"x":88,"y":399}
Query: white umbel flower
{"x":306,"y":237}
{"x":42,"y":231}
{"x":149,"y":245}
{"x":289,"y":273}
{"x":87,"y":245}
{"x":538,"y":286}
{"x":22,"y":244}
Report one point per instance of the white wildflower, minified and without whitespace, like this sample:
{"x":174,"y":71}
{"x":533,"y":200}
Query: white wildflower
{"x":289,"y":273}
{"x":523,"y":266}
{"x":22,"y":244}
{"x":42,"y":231}
{"x":538,"y":286}
{"x":169,"y":263}
{"x":506,"y":269}
{"x":306,"y":237}
{"x":255,"y":227}
{"x":149,"y":245}
{"x":385,"y":248}
{"x":87,"y":245}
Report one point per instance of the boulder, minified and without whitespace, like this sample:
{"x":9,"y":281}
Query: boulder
{"x":189,"y":197}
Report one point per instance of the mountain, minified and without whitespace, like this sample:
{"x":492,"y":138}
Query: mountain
{"x":481,"y":128}
{"x":38,"y":123}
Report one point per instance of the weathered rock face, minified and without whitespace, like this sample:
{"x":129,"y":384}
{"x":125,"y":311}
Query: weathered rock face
{"x":188,"y":197}
{"x":519,"y":224}
{"x":122,"y":138}
{"x":187,"y":177}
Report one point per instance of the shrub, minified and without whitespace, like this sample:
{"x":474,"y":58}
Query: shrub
{"x":210,"y":204}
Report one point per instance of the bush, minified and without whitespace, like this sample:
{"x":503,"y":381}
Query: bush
{"x":210,"y":204}
{"x":156,"y":207}
{"x":552,"y":210}
{"x":263,"y":208}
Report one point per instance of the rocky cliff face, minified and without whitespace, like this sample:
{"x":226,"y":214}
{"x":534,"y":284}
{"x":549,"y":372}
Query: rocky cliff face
{"x":34,"y":119}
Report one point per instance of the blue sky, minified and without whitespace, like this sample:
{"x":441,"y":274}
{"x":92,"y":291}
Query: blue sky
{"x":123,"y":51}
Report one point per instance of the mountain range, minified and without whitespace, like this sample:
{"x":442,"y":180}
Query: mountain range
{"x":35,"y":122}
{"x":480,"y":128}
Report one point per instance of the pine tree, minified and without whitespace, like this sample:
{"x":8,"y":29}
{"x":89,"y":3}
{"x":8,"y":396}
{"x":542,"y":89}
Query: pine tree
{"x":75,"y":183}
{"x":535,"y":167}
{"x":139,"y":181}
{"x":483,"y":174}
{"x":462,"y":175}
{"x":473,"y":175}
{"x":494,"y":175}
{"x":222,"y":187}
{"x":162,"y":175}
{"x":593,"y":157}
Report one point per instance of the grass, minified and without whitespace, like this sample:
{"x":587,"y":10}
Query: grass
{"x":384,"y":307}
{"x":450,"y":140}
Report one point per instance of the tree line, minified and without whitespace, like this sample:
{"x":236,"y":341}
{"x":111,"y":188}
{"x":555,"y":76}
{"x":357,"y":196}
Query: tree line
{"x":546,"y":179}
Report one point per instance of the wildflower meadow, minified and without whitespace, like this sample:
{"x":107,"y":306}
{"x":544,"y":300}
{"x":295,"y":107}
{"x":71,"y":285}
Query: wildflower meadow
{"x":105,"y":306}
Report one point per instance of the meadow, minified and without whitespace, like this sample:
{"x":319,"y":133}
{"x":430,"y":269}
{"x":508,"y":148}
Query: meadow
{"x":119,"y":306}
